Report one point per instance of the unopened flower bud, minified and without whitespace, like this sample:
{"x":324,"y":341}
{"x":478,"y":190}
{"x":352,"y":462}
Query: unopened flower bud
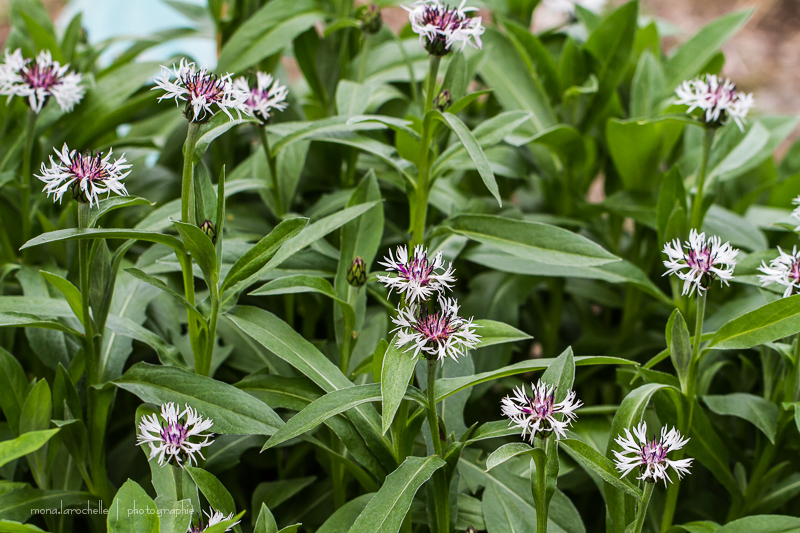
{"x":209,"y":229}
{"x":371,"y":19}
{"x":357,"y":274}
{"x":443,"y":100}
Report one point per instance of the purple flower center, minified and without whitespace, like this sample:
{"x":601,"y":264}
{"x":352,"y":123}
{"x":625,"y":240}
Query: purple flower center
{"x":88,"y":166}
{"x":541,"y":407}
{"x":653,"y":452}
{"x":204,"y":85}
{"x":435,"y":326}
{"x":174,"y":434}
{"x":794,"y":271}
{"x":722,"y":93}
{"x":701,"y":261}
{"x":418,"y":270}
{"x":40,"y":77}
{"x":443,"y":18}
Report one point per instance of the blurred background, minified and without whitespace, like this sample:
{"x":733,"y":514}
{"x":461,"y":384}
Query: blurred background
{"x":763,"y":58}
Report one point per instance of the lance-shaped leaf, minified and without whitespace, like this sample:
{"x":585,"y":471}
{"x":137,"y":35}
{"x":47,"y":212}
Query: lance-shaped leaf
{"x":155,"y":282}
{"x":768,"y":323}
{"x":387,"y":509}
{"x":531,"y":240}
{"x":114,"y":202}
{"x":506,"y":452}
{"x":473,"y":149}
{"x":396,"y":372}
{"x":600,"y":465}
{"x":330,"y":405}
{"x":18,"y":505}
{"x":258,"y":256}
{"x":113,"y":233}
{"x":760,"y":412}
{"x":680,"y":348}
{"x":233,"y":410}
{"x":24,"y":444}
{"x":133,"y":510}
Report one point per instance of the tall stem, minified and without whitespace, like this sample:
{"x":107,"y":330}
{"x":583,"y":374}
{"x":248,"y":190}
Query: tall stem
{"x":697,"y":205}
{"x":83,"y":271}
{"x":440,"y":489}
{"x":642,"y":511}
{"x":691,"y":387}
{"x":362,"y":67}
{"x":273,"y":172}
{"x":420,"y":210}
{"x":205,"y":369}
{"x":542,"y":505}
{"x":187,"y":182}
{"x":25,"y":179}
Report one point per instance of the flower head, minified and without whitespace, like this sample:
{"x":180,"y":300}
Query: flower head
{"x":214,"y":518}
{"x":717,"y":98}
{"x":701,"y":262}
{"x":783,"y":270}
{"x":181,"y":437}
{"x":536,"y":414}
{"x":650,"y":456}
{"x":201,"y":90}
{"x":88,"y":174}
{"x":436,"y":334}
{"x":267,"y":96}
{"x":39,"y":79}
{"x":439,"y":27}
{"x":418,"y":278}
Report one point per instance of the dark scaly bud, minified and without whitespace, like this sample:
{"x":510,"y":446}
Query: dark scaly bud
{"x":209,"y":229}
{"x":443,"y":100}
{"x":357,"y":273}
{"x":371,"y":19}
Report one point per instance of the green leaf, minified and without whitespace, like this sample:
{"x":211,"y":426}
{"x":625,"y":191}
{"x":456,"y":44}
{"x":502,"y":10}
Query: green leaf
{"x":493,"y":332}
{"x":16,"y":527}
{"x":24,"y":320}
{"x":13,"y":389}
{"x":762,"y":524}
{"x":202,"y":249}
{"x":561,"y":374}
{"x":256,"y":257}
{"x":638,"y":147}
{"x":24,"y":444}
{"x":600,"y":465}
{"x":695,"y":53}
{"x":113,"y":202}
{"x":346,"y":515}
{"x":396,"y":373}
{"x":531,"y":240}
{"x":330,"y":405}
{"x":265,"y":522}
{"x":387,"y":509}
{"x":506,"y":452}
{"x":269,"y":30}
{"x":233,"y":411}
{"x":133,"y":511}
{"x":155,"y":282}
{"x":70,"y":292}
{"x":473,"y":149}
{"x":113,"y":233}
{"x":18,"y":505}
{"x":215,"y":492}
{"x":448,"y":386}
{"x":768,"y":323}
{"x":761,"y":413}
{"x":680,"y":348}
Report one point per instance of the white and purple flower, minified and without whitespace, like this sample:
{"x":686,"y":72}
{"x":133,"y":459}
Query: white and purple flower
{"x":535,"y":415}
{"x":180,"y":438}
{"x":650,"y":456}
{"x":435,"y":334}
{"x":88,"y":174}
{"x":214,"y":518}
{"x":783,"y":270}
{"x":701,"y":262}
{"x":439,"y":27}
{"x":201,"y":90}
{"x":718,"y":99}
{"x":267,"y":96}
{"x":417,"y":278}
{"x":40,"y":79}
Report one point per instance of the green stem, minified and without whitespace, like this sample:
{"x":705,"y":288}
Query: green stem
{"x":25,"y":179}
{"x":273,"y":172}
{"x":440,"y":489}
{"x":187,"y":181}
{"x":362,"y":67}
{"x":205,"y":369}
{"x":542,"y":507}
{"x":642,"y":511}
{"x":671,"y":500}
{"x":83,"y":271}
{"x":420,"y":210}
{"x":188,"y":290}
{"x":177,"y":475}
{"x":697,"y":205}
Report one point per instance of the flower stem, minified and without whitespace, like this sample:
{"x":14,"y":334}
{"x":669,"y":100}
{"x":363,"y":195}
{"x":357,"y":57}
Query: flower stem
{"x":542,"y":505}
{"x":642,"y":511}
{"x":362,"y":67}
{"x":440,"y":488}
{"x":691,"y":387}
{"x":697,"y":206}
{"x":420,"y":210}
{"x":177,"y":475}
{"x":25,"y":179}
{"x":273,"y":171}
{"x":187,"y":182}
{"x":83,"y":271}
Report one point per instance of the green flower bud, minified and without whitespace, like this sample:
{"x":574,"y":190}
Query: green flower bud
{"x":443,"y":100}
{"x":357,"y":273}
{"x":371,"y":19}
{"x":209,"y":229}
